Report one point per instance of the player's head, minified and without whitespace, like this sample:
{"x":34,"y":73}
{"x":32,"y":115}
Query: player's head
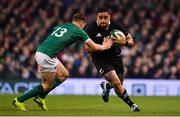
{"x":103,"y":17}
{"x":79,"y":19}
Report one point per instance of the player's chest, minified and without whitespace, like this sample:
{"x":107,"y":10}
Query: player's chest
{"x":100,"y":35}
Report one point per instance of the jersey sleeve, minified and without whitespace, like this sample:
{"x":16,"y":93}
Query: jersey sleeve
{"x":123,"y":29}
{"x":82,"y":35}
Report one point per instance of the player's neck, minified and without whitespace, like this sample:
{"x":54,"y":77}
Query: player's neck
{"x":105,"y":28}
{"x":77,"y":24}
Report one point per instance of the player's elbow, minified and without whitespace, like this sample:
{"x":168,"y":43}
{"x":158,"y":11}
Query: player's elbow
{"x":98,"y":48}
{"x":130,"y":44}
{"x":93,"y":48}
{"x":129,"y":41}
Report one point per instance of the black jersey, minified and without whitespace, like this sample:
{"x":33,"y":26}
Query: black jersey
{"x":97,"y":34}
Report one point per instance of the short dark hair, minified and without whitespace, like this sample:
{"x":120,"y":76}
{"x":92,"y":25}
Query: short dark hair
{"x":79,"y":17}
{"x":102,"y":9}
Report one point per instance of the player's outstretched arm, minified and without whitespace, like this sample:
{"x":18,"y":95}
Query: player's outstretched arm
{"x":93,"y":47}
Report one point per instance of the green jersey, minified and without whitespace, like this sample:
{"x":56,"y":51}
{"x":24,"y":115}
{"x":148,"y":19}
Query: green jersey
{"x":61,"y":37}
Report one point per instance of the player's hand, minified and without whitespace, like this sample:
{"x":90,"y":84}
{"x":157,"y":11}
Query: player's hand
{"x":107,"y":43}
{"x":119,"y":40}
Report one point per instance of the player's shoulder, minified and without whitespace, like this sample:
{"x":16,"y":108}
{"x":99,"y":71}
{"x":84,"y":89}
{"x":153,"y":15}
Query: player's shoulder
{"x":69,"y":25}
{"x":119,"y":26}
{"x":58,"y":25}
{"x":76,"y":30}
{"x":115,"y":24}
{"x":66,"y":25}
{"x":72,"y":28}
{"x":92,"y":25}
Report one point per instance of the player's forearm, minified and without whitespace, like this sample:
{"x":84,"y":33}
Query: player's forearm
{"x":96,"y":48}
{"x":99,"y":47}
{"x":93,"y":47}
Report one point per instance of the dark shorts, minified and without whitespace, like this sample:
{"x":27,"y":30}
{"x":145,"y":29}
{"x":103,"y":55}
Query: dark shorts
{"x":105,"y":65}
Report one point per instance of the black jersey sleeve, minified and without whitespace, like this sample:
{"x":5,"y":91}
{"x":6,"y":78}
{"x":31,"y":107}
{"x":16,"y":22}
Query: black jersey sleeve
{"x":121,"y":28}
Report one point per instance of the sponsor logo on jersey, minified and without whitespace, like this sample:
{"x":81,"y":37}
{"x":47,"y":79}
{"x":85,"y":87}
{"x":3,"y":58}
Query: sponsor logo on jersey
{"x":98,"y":35}
{"x":101,"y":71}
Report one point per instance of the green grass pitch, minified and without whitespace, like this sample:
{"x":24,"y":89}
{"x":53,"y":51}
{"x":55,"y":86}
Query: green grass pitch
{"x":71,"y":105}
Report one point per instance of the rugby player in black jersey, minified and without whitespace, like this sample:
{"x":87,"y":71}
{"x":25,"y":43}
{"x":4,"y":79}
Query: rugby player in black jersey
{"x":109,"y":62}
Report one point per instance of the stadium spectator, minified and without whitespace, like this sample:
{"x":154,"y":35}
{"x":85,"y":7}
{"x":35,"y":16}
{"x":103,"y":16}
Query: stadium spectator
{"x":153,"y":24}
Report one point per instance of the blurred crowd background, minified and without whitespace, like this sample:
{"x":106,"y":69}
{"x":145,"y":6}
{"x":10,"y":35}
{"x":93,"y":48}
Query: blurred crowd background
{"x":154,"y":24}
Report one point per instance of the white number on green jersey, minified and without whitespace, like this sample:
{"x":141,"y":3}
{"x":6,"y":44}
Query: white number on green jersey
{"x":59,"y":32}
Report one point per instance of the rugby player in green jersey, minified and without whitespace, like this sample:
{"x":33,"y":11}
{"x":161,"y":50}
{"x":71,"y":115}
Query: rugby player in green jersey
{"x":52,"y":70}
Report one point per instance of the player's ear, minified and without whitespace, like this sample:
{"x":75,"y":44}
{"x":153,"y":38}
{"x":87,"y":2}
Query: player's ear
{"x":97,"y":22}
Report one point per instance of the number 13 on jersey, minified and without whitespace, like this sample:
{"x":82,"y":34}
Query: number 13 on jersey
{"x":59,"y":32}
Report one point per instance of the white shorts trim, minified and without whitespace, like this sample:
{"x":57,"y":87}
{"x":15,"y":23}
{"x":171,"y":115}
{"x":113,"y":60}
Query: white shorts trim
{"x":46,"y":63}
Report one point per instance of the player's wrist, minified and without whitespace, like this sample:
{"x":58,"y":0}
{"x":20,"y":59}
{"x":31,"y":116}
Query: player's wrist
{"x":102,"y":47}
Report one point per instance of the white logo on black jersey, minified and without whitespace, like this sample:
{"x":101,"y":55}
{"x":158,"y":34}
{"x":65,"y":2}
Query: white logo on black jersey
{"x":98,"y":35}
{"x":101,"y":71}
